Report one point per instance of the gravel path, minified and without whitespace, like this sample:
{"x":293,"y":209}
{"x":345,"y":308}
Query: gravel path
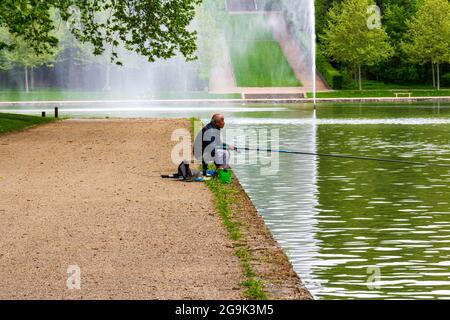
{"x":88,"y":193}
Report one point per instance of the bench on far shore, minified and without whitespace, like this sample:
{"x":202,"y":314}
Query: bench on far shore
{"x":399,"y":94}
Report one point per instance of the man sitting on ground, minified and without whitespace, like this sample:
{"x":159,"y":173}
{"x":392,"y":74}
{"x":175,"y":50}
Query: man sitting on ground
{"x":212,"y":147}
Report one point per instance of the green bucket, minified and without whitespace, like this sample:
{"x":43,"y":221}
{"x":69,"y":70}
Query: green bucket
{"x":225,"y":175}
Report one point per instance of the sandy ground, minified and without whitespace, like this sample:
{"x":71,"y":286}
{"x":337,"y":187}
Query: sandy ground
{"x":88,"y":193}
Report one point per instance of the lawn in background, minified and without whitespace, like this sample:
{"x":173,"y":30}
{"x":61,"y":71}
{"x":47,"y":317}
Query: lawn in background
{"x":49,"y":94}
{"x":53,"y":94}
{"x":379,"y":93}
{"x":376,"y":89}
{"x":257,"y":59}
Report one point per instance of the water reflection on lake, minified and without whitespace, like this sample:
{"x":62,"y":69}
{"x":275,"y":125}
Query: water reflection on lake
{"x":360,"y":229}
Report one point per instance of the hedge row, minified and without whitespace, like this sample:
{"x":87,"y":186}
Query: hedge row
{"x":445,"y":80}
{"x":332,"y":76}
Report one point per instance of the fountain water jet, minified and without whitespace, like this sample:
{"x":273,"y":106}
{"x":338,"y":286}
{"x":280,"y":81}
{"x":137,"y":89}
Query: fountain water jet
{"x":300,"y":16}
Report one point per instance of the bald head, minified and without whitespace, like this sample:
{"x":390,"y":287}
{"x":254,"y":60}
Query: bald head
{"x":218,"y":120}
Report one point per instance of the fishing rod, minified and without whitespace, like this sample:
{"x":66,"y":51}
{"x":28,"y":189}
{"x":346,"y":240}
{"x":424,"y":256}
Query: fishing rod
{"x":347,"y":157}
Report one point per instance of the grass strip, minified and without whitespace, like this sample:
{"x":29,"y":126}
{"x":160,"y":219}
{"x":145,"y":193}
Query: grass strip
{"x":16,"y":122}
{"x":380,"y":93}
{"x":225,"y":197}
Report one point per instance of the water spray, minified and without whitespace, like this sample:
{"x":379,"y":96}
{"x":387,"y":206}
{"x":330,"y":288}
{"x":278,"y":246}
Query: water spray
{"x":312,"y":19}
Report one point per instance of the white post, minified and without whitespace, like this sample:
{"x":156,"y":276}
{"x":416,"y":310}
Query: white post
{"x":312,"y":19}
{"x":27,"y":87}
{"x":432,"y":73}
{"x":437,"y":76}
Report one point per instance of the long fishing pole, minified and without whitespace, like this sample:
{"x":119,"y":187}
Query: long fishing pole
{"x":348,"y":157}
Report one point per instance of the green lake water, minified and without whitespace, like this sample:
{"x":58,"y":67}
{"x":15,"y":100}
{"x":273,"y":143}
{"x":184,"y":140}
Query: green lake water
{"x":352,"y":229}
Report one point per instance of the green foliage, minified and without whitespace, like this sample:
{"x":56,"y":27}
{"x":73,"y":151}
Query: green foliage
{"x":152,"y":28}
{"x":398,"y":70}
{"x":322,"y":7}
{"x":380,"y":93}
{"x":349,"y":40}
{"x":446,"y":80}
{"x":21,"y":54}
{"x":429,"y":33}
{"x":42,"y":33}
{"x":404,"y":66}
{"x":333,"y":77}
{"x":395,"y":17}
{"x":30,"y":20}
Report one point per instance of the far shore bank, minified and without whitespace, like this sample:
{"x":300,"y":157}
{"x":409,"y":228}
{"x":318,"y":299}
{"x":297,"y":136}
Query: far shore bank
{"x":52,"y":104}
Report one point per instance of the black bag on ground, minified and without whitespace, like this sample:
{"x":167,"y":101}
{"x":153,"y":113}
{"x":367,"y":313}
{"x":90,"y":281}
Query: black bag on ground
{"x":184,"y":170}
{"x":184,"y":173}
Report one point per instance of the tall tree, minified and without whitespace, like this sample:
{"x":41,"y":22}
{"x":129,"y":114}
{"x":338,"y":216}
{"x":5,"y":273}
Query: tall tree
{"x":429,"y":36}
{"x":21,"y":55}
{"x":152,"y":28}
{"x":349,"y":39}
{"x":396,"y":14}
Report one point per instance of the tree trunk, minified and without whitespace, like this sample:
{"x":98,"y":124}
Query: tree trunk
{"x":359,"y":77}
{"x":432,"y":72}
{"x":437,"y":77}
{"x":27,"y":87}
{"x":32,"y":78}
